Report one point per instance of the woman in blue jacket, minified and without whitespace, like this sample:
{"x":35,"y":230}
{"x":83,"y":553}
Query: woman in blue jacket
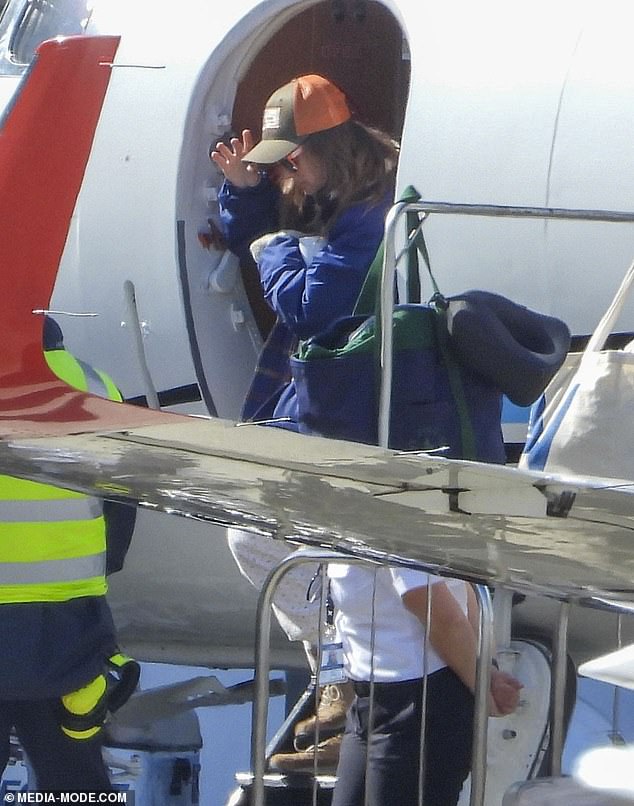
{"x":316,"y":176}
{"x":316,"y":172}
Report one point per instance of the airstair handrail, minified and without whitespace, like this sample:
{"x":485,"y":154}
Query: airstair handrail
{"x":262,"y":664}
{"x":390,"y":260}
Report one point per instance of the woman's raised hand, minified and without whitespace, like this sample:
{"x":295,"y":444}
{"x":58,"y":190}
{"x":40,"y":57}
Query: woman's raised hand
{"x":229,"y":159}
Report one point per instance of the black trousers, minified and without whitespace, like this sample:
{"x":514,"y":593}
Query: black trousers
{"x":59,"y":762}
{"x":392,"y":772}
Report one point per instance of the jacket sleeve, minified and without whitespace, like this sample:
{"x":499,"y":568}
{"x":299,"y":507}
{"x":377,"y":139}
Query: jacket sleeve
{"x":246,"y":213}
{"x":309,"y":298}
{"x":120,"y":520}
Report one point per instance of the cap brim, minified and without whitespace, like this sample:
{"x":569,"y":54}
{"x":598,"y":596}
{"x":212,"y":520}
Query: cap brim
{"x":269,"y":151}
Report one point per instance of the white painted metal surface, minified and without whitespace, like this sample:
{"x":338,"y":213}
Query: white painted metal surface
{"x":501,"y":108}
{"x":507,"y":104}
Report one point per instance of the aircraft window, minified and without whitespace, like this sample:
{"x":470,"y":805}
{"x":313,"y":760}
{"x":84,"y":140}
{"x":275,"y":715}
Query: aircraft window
{"x":45,"y":19}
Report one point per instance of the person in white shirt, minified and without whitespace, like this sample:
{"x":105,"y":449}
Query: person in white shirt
{"x":381,"y":618}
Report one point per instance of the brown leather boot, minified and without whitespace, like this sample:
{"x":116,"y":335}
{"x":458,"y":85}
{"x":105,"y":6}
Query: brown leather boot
{"x":334,"y":701}
{"x":304,"y":762}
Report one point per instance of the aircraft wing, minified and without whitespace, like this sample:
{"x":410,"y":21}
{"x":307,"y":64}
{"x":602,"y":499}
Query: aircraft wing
{"x":528,"y":531}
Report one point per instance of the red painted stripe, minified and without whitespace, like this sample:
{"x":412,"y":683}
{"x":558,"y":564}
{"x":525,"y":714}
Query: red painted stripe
{"x":45,"y":143}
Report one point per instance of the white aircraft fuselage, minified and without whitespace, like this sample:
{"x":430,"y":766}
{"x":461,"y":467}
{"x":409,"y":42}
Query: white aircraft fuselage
{"x":493,"y":104}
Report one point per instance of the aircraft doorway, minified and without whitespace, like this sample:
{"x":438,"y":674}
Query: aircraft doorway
{"x":358,"y":45}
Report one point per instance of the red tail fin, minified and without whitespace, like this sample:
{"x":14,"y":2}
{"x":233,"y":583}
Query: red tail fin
{"x":45,"y":142}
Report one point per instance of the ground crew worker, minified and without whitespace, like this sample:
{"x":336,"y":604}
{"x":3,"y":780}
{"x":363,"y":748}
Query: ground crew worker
{"x":60,"y":667}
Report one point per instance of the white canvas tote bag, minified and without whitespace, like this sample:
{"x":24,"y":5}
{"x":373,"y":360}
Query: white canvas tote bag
{"x":584,"y":422}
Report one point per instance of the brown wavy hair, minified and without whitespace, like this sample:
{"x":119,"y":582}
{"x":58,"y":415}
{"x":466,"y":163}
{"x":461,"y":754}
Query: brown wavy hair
{"x":360,"y":163}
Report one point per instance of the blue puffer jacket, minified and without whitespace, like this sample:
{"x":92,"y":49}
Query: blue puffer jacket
{"x":306,"y":299}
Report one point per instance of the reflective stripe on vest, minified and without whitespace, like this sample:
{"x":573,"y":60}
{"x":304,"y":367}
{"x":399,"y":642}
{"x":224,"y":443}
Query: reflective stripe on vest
{"x":53,"y":541}
{"x":62,"y":510}
{"x":36,"y":573}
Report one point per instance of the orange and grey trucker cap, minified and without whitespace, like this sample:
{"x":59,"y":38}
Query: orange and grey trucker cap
{"x":305,"y":105}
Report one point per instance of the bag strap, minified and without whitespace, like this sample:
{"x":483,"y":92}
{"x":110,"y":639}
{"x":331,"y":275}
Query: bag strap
{"x":369,"y":296}
{"x":370,"y":299}
{"x":417,"y":243}
{"x":604,"y":328}
{"x":467,"y":435}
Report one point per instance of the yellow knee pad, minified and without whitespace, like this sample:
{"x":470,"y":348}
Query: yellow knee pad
{"x":83,"y":712}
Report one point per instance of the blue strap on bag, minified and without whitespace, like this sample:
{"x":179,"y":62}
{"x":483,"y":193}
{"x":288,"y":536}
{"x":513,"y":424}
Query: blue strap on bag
{"x":437,"y":404}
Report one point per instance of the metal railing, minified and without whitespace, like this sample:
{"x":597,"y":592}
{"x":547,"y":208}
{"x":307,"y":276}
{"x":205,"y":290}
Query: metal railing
{"x":390,"y":263}
{"x":391,"y":260}
{"x":262,"y":668}
{"x":485,"y":637}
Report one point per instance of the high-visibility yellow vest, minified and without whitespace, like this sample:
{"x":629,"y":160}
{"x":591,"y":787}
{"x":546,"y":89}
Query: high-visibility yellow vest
{"x":53,"y":541}
{"x":81,"y":375}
